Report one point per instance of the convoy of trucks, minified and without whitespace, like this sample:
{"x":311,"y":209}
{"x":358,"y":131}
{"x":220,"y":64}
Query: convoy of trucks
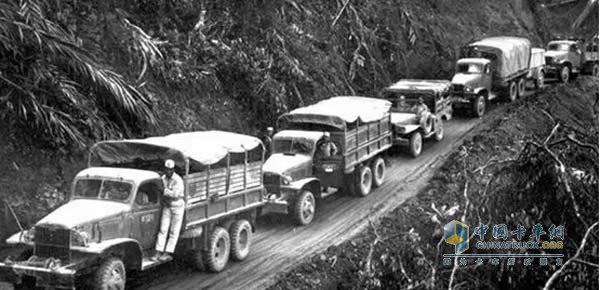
{"x":110,"y":224}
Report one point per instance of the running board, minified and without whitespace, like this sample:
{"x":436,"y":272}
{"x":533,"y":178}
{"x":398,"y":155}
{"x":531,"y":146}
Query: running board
{"x":148,"y":262}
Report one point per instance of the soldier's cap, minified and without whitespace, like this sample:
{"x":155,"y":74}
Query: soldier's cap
{"x":169,"y":164}
{"x":269,"y":128}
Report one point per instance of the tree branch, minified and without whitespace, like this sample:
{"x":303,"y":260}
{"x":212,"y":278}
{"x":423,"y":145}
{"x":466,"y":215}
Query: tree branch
{"x":556,"y":274}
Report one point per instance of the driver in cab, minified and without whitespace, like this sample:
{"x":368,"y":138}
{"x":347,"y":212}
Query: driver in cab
{"x":327,"y":148}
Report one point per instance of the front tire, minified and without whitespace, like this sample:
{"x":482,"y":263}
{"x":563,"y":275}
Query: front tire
{"x":416,"y":144}
{"x":304,"y":208}
{"x":110,"y":275}
{"x":241,"y":238}
{"x":479,"y":106}
{"x":378,"y":169}
{"x":218,"y":251}
{"x":565,"y":74}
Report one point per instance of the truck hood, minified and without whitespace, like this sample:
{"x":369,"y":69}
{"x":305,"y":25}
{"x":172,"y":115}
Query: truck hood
{"x":465,"y":79}
{"x":82,"y":211}
{"x":403,"y":118}
{"x":284,"y":164}
{"x":555,"y":53}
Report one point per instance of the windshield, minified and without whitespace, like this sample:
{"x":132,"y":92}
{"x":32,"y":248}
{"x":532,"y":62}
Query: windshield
{"x":558,"y":46}
{"x":469,"y":68}
{"x":103,"y":189}
{"x":293,"y":146}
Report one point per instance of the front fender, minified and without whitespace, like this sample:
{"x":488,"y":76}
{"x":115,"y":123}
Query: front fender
{"x":301,"y":184}
{"x":18,"y":239}
{"x":128,"y":249}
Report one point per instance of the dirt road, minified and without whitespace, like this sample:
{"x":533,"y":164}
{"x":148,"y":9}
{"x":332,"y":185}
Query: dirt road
{"x":278,"y":244}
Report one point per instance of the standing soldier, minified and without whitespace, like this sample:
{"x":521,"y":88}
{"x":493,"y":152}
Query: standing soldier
{"x":268,"y":142}
{"x":172,"y":214}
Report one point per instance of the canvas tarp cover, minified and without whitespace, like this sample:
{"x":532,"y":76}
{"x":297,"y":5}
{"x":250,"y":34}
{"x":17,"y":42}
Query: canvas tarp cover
{"x":202,"y":148}
{"x":339,"y":111}
{"x":513,"y":53}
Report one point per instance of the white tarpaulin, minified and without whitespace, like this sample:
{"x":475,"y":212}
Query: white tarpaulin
{"x":513,"y":53}
{"x":338,"y":111}
{"x":205,"y":147}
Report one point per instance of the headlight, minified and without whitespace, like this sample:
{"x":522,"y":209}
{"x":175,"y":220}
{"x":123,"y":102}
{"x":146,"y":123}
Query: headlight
{"x":29,"y":235}
{"x":468,"y":89}
{"x":285,"y":179}
{"x":400,"y":130}
{"x":80,"y":238}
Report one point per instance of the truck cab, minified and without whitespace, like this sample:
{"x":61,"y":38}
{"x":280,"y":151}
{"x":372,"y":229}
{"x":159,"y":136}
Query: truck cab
{"x":472,"y":83}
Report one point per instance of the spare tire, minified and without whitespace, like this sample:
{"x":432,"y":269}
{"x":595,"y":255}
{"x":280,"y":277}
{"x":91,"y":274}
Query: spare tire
{"x":426,"y":123}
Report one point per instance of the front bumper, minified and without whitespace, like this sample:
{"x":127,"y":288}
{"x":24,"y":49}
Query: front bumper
{"x":59,"y":277}
{"x":462,"y":100}
{"x":278,"y":199}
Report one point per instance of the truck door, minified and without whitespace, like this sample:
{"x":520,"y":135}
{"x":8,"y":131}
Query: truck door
{"x":147,"y":213}
{"x":329,"y":168}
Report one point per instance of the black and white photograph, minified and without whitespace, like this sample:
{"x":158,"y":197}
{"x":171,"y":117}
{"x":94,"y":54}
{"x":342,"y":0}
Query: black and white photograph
{"x":299,"y":144}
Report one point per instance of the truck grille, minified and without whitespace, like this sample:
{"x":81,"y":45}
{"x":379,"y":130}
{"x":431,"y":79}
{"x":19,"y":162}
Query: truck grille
{"x":52,"y":242}
{"x":458,"y":88}
{"x":271,"y":179}
{"x":548,"y":60}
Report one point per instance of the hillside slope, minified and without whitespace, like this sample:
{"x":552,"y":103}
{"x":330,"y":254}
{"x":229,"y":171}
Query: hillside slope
{"x":237,"y":65}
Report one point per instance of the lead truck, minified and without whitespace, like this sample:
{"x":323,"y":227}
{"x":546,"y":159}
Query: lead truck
{"x":111,"y":222}
{"x":296,"y":173}
{"x":488,"y":68}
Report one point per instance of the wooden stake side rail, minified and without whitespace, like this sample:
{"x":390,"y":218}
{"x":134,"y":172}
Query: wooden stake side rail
{"x":245,"y":191}
{"x":366,"y":141}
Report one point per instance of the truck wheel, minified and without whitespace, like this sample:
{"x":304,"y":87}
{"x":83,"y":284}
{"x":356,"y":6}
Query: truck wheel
{"x":512,"y":91}
{"x":304,"y":208}
{"x":364,"y":182}
{"x":521,"y":88}
{"x":479,"y":106}
{"x":378,"y":169}
{"x":110,"y":275}
{"x":539,"y":81}
{"x":439,"y":132}
{"x":565,"y":74}
{"x":218,"y":251}
{"x":241,"y":237}
{"x":416,"y":144}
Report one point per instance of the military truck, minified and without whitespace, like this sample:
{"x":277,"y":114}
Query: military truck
{"x":111,"y":222}
{"x":409,"y":128}
{"x":567,"y":58}
{"x":296,"y":173}
{"x":488,"y":68}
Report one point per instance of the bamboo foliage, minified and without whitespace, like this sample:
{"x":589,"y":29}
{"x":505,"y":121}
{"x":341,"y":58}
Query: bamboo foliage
{"x":54,"y":88}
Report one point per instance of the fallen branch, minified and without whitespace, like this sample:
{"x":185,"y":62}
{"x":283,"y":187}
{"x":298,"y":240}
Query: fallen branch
{"x":556,"y":274}
{"x":339,"y":14}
